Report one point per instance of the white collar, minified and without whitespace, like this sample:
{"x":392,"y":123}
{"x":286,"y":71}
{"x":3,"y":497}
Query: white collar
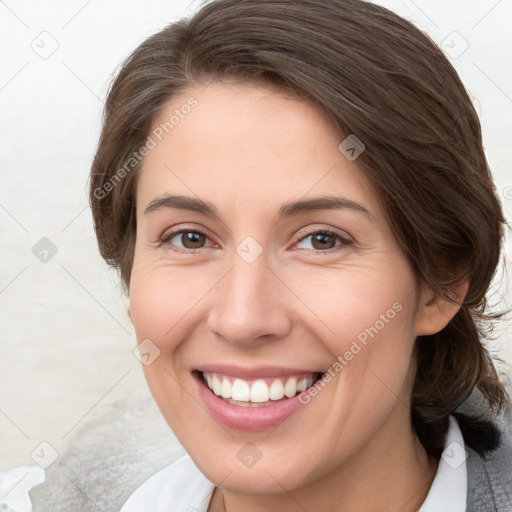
{"x":449,"y":489}
{"x":181,"y":487}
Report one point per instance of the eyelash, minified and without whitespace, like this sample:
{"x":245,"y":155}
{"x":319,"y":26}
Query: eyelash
{"x":167,"y":236}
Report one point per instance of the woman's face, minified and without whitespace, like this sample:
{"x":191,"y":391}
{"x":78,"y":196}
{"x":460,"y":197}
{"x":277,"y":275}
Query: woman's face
{"x":234,"y":283}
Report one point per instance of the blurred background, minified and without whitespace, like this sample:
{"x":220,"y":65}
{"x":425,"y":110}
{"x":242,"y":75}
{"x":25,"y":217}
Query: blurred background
{"x":65,"y":339}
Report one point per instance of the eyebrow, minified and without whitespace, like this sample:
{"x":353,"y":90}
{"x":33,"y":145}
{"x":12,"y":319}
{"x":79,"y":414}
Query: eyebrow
{"x":287,"y":209}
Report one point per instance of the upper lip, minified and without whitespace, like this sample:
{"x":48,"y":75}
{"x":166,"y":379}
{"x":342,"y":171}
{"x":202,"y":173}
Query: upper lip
{"x":255,"y":372}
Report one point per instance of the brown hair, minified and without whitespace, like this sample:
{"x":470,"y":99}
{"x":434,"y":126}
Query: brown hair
{"x":374,"y":75}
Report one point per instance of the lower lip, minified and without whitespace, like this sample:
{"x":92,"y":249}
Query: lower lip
{"x":252,"y":419}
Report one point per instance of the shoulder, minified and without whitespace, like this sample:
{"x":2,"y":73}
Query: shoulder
{"x":489,"y":470}
{"x":107,"y":458}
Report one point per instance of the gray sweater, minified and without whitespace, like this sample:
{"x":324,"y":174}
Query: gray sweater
{"x":110,"y":457}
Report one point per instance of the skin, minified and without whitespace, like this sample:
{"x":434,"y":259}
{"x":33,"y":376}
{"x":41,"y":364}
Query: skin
{"x":248,"y":149}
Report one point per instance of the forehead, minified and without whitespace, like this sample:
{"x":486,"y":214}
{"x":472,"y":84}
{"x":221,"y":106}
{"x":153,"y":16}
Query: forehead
{"x":246,"y":145}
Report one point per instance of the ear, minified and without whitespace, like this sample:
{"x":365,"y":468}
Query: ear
{"x":434,"y":311}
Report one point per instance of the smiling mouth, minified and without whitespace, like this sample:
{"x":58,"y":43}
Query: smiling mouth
{"x":260,"y":392}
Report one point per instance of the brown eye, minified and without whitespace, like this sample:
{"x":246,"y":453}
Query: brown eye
{"x":185,"y":239}
{"x":324,"y":240}
{"x":192,"y":239}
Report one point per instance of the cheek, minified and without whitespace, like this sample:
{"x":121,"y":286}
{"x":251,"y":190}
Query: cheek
{"x":365,"y":319}
{"x":160,"y":298}
{"x":357,"y":303}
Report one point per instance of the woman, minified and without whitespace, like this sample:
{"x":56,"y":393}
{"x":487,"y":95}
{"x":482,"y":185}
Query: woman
{"x":298,"y":202}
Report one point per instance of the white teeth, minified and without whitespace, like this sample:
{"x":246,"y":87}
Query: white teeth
{"x":259,"y":392}
{"x":215,"y":385}
{"x":302,"y":385}
{"x":290,"y":388}
{"x":249,"y":404}
{"x":225,"y":390}
{"x":240,"y":391}
{"x":276,"y":391}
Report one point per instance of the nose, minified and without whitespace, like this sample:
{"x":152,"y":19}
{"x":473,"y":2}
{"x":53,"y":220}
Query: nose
{"x":249,"y":304}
